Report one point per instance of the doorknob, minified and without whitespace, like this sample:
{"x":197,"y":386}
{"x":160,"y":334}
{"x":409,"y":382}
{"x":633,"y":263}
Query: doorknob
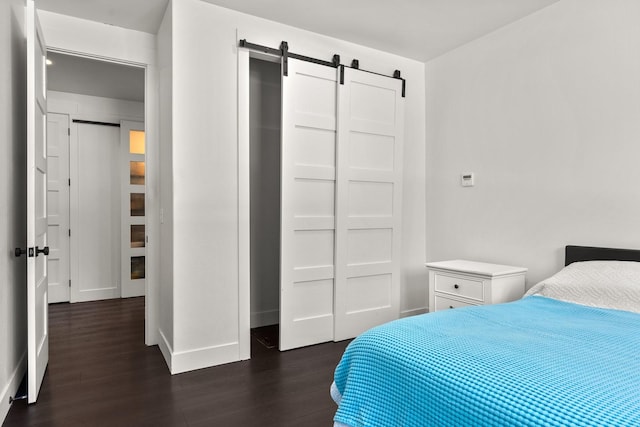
{"x":19,"y":252}
{"x":44,"y":250}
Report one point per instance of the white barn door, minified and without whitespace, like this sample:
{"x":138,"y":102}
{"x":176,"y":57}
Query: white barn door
{"x":369,"y":201}
{"x":307,"y":204}
{"x":37,"y":287}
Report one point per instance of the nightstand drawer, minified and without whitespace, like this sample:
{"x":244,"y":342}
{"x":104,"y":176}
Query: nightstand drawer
{"x":459,"y":286}
{"x":444,"y":303}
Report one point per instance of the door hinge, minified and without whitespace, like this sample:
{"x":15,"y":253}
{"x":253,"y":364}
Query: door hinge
{"x":69,"y":131}
{"x":69,"y":282}
{"x":69,"y":182}
{"x":69,"y":232}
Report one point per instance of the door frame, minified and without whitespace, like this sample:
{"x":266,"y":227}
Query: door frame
{"x":152,"y":193}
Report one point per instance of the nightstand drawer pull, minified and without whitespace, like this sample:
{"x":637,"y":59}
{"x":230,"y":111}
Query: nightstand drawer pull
{"x":459,"y":286}
{"x":444,"y":303}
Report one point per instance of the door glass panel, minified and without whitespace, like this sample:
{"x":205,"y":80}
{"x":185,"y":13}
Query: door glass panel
{"x":137,"y":204}
{"x":136,"y":142}
{"x":137,"y":267}
{"x":136,"y":173}
{"x":137,"y":236}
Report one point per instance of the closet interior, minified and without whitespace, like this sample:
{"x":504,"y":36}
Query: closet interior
{"x":264,"y":147}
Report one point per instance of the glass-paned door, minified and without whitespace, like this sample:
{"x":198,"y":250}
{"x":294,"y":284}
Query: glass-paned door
{"x":134,"y":238}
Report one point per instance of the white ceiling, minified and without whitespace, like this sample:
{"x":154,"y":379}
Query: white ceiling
{"x":96,"y":78}
{"x":419,"y":29}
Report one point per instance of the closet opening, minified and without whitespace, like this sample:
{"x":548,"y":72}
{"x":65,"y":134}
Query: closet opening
{"x":337,"y":258}
{"x":265,"y":88}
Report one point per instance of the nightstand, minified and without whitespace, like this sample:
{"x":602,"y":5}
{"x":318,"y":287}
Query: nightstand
{"x":461,"y":283}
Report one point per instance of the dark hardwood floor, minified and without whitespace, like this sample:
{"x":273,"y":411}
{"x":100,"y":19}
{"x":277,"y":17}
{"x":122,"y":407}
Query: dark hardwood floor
{"x":101,"y":374}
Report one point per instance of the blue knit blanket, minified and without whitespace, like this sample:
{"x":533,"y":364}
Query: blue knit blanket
{"x":533,"y":362}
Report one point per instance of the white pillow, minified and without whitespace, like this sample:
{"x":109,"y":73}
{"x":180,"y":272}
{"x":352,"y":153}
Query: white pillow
{"x":605,"y":284}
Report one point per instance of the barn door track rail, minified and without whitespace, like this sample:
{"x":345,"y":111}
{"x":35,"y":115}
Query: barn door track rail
{"x":91,"y":122}
{"x":284,"y":52}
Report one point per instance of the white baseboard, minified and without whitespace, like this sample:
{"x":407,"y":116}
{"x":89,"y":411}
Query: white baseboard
{"x":265,"y":318}
{"x":185,"y":361}
{"x":413,"y":312}
{"x":165,"y":349}
{"x":10,"y":389}
{"x":200,"y":358}
{"x":96,"y":294}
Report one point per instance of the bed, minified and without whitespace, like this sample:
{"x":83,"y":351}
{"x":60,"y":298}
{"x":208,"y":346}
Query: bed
{"x":566,"y":354}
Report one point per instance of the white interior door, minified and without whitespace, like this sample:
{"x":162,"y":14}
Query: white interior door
{"x":369,"y":200}
{"x":37,"y":307}
{"x":307,"y":204}
{"x":58,"y":206}
{"x":95,"y":212}
{"x":133,"y":234}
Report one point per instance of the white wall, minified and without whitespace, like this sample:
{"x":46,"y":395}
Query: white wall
{"x":103,"y":41}
{"x":546,"y":112}
{"x":13,"y":203}
{"x":94,"y":108}
{"x":205,"y":170}
{"x":97,"y":40}
{"x":264,"y":122}
{"x":165,"y":88}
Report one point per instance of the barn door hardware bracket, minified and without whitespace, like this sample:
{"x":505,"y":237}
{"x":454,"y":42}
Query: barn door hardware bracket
{"x":285,"y":54}
{"x":284,"y":51}
{"x":397,"y":75}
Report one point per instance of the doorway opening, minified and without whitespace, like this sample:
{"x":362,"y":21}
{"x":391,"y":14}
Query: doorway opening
{"x":96,"y":192}
{"x":265,"y":89}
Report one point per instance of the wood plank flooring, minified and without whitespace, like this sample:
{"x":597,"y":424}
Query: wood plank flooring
{"x":101,"y":374}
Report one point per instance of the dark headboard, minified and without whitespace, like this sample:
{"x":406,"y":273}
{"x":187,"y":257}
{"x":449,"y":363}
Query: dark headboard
{"x":589,"y":253}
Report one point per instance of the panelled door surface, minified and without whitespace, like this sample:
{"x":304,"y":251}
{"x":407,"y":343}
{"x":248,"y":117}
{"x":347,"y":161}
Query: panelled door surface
{"x":133,"y":239}
{"x":369,"y":199}
{"x":95,"y":212}
{"x":58,"y":206}
{"x":37,"y":288}
{"x":307,"y":204}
